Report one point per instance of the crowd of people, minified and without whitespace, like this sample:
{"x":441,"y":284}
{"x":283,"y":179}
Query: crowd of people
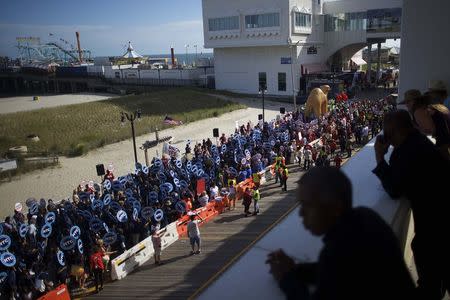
{"x":361,"y":257}
{"x":72,"y":241}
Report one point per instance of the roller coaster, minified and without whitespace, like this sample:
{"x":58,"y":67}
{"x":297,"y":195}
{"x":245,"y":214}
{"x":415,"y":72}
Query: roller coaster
{"x":32,"y":50}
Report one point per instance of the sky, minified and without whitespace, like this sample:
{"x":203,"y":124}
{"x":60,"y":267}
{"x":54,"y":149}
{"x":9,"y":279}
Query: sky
{"x":106,"y":26}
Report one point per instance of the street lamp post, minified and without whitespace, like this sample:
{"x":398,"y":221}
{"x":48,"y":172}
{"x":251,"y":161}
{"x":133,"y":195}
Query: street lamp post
{"x":291,"y":46}
{"x":195,"y":46}
{"x":262,"y":91}
{"x":186,"y":46}
{"x":131,"y":117}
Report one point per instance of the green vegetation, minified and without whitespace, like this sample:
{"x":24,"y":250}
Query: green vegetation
{"x":75,"y":129}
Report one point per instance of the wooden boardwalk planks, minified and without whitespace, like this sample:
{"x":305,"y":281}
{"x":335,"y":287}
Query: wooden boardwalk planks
{"x":223,"y":239}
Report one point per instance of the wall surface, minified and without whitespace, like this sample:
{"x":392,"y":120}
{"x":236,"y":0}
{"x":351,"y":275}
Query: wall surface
{"x":425,"y":44}
{"x":236,"y":69}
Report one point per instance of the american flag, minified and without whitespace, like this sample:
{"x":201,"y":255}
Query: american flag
{"x":169,"y":121}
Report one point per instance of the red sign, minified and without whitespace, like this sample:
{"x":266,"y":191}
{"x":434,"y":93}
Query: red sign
{"x":201,"y":186}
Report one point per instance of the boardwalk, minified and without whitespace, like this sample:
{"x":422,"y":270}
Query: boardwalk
{"x":223,"y":239}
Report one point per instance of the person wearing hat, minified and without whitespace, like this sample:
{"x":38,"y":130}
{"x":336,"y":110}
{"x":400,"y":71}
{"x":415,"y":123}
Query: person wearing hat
{"x":408,"y":99}
{"x":438,"y":93}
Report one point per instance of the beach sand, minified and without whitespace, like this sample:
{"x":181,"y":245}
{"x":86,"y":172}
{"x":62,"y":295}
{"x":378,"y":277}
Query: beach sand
{"x":25,"y":103}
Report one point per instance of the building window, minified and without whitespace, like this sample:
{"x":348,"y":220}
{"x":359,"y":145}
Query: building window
{"x":346,"y":21}
{"x":262,"y":80}
{"x":302,"y":20}
{"x":264,"y":20}
{"x":227,"y":23}
{"x":282,"y":82}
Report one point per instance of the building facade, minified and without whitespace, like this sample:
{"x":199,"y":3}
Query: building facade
{"x":270,"y":44}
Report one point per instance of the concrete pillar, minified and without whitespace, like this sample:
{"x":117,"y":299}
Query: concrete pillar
{"x":369,"y":63}
{"x":378,"y":60}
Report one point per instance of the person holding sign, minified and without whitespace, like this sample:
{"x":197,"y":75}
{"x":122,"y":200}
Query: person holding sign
{"x":194,"y":233}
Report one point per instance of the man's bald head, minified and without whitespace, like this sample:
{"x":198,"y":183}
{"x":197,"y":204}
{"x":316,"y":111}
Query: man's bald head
{"x":325,"y":194}
{"x":397,"y":126}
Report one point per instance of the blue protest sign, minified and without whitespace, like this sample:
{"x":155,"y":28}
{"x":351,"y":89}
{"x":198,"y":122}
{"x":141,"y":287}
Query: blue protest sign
{"x":95,"y":224}
{"x":172,"y":173}
{"x":80,"y":246}
{"x":5,"y":242}
{"x":107,"y":184}
{"x":189,"y":166}
{"x":233,"y":172}
{"x":122,"y":180}
{"x":169,"y":187}
{"x":159,"y":214}
{"x":23,"y":229}
{"x":60,"y":257}
{"x":158,"y":162}
{"x":50,"y":217}
{"x":176,"y":182}
{"x":75,"y":232}
{"x":109,"y":238}
{"x":43,"y":244}
{"x":194,"y":169}
{"x":179,"y":164}
{"x":96,"y":205}
{"x":184,"y":185}
{"x":199,"y":173}
{"x":106,"y":227}
{"x":46,"y":230}
{"x":129,"y":193}
{"x":115,"y":206}
{"x":162,"y":177}
{"x":3,"y":277}
{"x":117,"y":186}
{"x":147,"y":212}
{"x":217,"y":160}
{"x":122,"y":216}
{"x":145,"y":170}
{"x":153,"y":196}
{"x":163,"y":188}
{"x":67,"y":243}
{"x":137,"y":205}
{"x":83,"y":196}
{"x":8,"y":259}
{"x":213,"y":148}
{"x":91,"y":197}
{"x":34,"y":208}
{"x":184,"y":173}
{"x":135,"y":214}
{"x":180,"y":206}
{"x":224,"y":148}
{"x":106,"y":199}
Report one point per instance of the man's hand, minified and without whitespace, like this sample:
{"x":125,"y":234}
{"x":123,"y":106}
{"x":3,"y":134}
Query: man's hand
{"x":381,"y":148}
{"x":280,"y":264}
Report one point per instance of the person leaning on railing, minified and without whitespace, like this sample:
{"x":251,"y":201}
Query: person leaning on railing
{"x":361,"y":257}
{"x":417,"y":171}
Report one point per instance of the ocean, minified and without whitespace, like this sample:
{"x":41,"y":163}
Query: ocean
{"x":181,"y":58}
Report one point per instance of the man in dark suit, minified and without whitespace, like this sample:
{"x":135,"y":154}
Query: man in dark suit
{"x":418,"y":172}
{"x":361,"y":257}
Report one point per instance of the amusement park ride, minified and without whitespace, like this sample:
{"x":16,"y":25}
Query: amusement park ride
{"x":58,"y":51}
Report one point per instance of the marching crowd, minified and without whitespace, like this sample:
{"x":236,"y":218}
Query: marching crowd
{"x":49,"y":243}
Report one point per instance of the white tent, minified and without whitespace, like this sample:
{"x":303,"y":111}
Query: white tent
{"x":131,"y":53}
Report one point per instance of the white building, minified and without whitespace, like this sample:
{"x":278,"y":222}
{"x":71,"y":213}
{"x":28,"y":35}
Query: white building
{"x":255,"y":41}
